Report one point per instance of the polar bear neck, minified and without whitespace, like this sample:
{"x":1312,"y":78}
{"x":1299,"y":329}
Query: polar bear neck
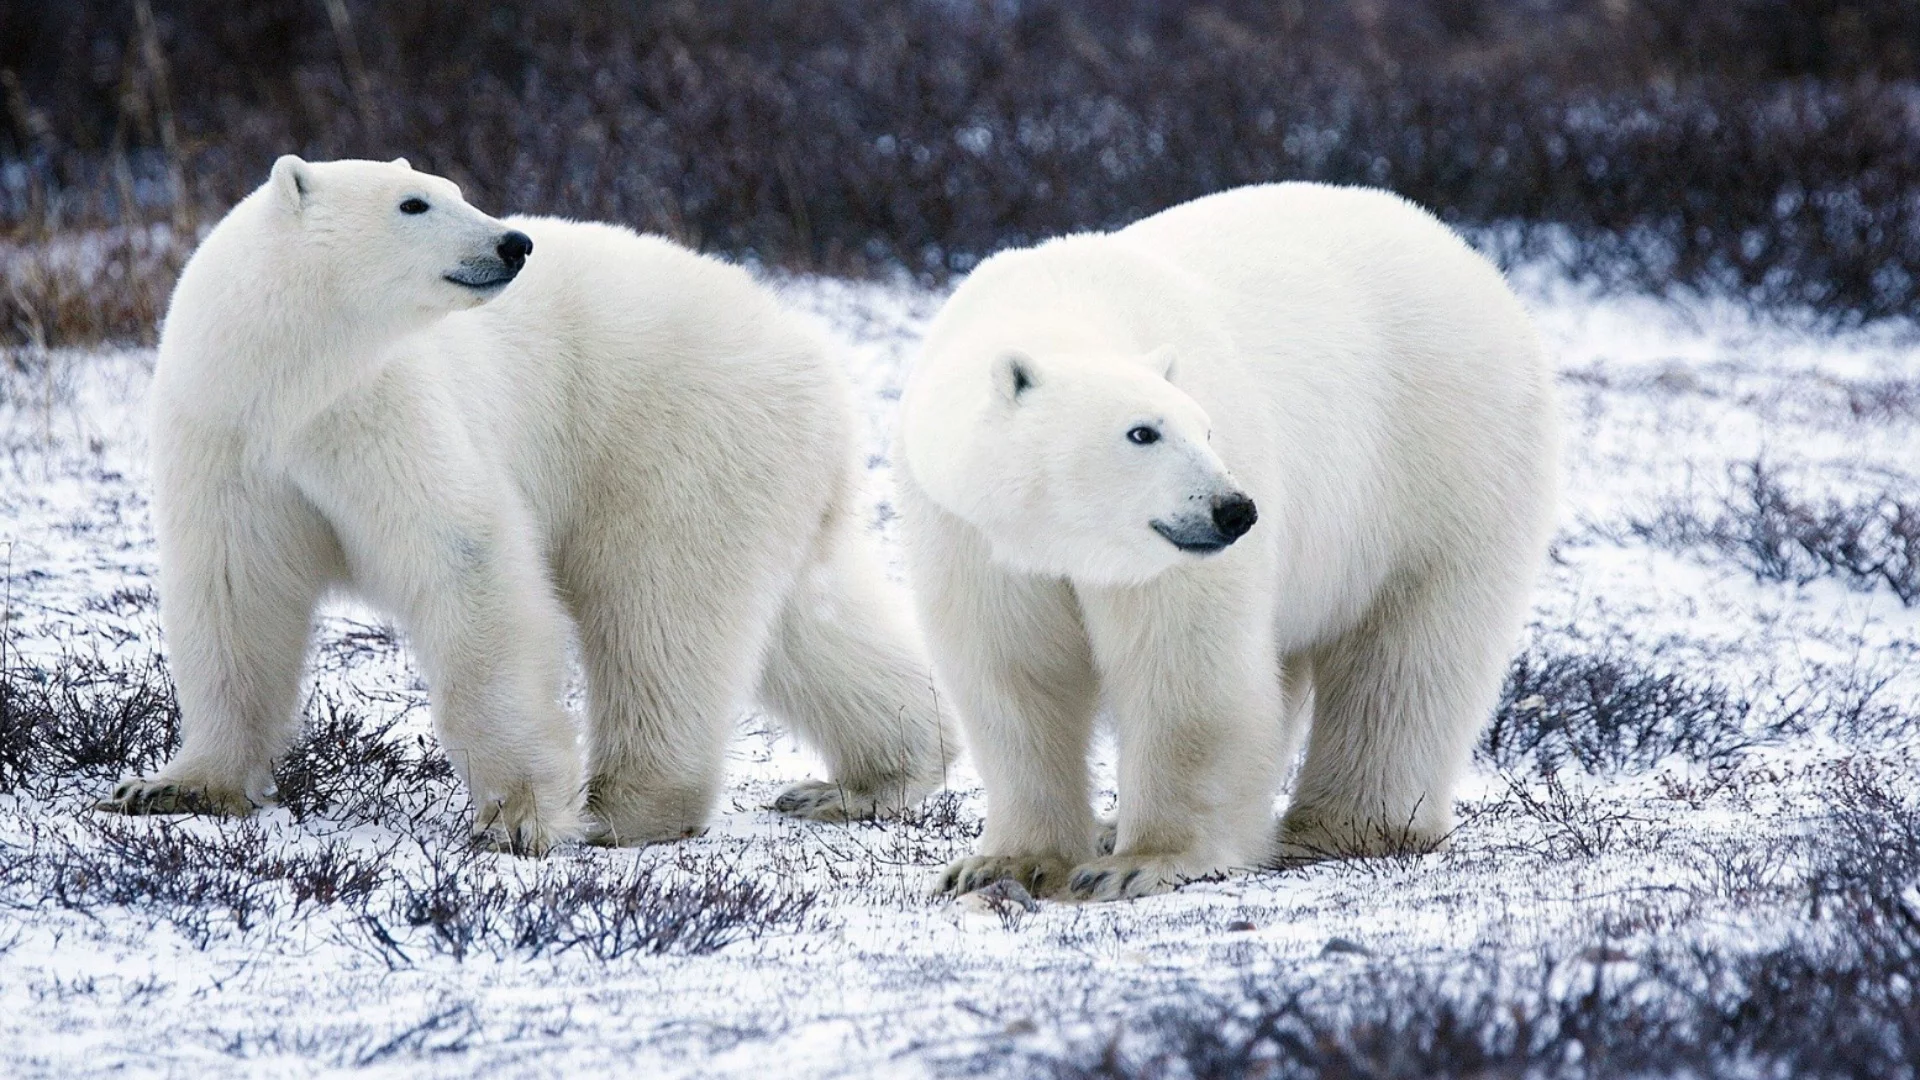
{"x":256,"y":331}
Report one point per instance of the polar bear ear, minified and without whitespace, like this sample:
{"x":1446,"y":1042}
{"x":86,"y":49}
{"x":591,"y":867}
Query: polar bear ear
{"x":402,"y":162}
{"x":292,"y":181}
{"x":1161,"y":360}
{"x":1013,"y":376}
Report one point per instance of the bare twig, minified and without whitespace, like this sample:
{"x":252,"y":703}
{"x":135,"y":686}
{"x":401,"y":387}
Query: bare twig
{"x":163,"y":111}
{"x":357,"y":78}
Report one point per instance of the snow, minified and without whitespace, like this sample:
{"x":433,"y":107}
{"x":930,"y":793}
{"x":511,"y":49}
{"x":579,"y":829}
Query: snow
{"x":1663,"y":402}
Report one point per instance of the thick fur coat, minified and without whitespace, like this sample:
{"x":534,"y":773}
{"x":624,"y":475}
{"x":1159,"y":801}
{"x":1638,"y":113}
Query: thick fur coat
{"x":1274,"y":464}
{"x":359,"y":387}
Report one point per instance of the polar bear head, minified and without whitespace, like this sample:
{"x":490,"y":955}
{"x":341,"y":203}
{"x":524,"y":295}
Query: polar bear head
{"x":1078,"y":464}
{"x":380,"y":238}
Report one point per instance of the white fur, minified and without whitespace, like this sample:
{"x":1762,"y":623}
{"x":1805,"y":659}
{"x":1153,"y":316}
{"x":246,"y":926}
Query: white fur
{"x":1372,"y":384}
{"x":631,"y":437}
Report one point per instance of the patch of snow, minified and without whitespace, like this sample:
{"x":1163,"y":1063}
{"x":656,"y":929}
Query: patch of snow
{"x":1662,"y":402}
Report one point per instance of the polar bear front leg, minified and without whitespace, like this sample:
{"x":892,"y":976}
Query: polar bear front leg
{"x":242,"y":561}
{"x":1194,"y":685}
{"x":494,"y":659}
{"x":437,"y":537}
{"x":673,"y":623}
{"x":1029,"y":726}
{"x":1012,"y":651}
{"x":1400,"y":700}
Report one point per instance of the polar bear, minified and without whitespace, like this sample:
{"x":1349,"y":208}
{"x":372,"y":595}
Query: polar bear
{"x":358,"y":385}
{"x":1278,"y":458}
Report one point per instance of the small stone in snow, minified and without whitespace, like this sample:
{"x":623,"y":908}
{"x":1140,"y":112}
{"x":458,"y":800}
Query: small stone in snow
{"x":1008,"y":891}
{"x":1341,"y":946}
{"x":1006,"y":898}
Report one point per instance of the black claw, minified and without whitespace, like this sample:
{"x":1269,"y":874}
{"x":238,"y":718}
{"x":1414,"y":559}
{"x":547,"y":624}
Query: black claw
{"x":1127,"y":882}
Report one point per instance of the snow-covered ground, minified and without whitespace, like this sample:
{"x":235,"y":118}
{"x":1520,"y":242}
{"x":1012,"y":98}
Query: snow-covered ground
{"x":848,"y":968}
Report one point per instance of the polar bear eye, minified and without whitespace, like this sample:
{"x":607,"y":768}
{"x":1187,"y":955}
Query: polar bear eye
{"x":1143,"y":436}
{"x":415,"y":206}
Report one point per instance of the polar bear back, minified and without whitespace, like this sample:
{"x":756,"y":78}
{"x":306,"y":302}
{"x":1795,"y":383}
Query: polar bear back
{"x":619,"y":359}
{"x":1289,"y":258}
{"x":1380,"y":343}
{"x":1370,"y":379}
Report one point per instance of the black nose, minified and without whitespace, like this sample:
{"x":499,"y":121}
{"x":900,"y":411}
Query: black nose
{"x":1234,"y":515}
{"x":514,"y":249}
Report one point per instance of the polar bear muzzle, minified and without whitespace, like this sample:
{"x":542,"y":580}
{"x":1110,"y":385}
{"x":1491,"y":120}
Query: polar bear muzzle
{"x":485,"y":274}
{"x":1231,"y":516}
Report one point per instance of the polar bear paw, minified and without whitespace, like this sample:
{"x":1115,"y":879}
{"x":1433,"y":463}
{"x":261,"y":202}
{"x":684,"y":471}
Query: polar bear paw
{"x":824,"y":800}
{"x":601,"y":833}
{"x":1308,"y":837}
{"x":1123,"y":877}
{"x":143,"y":795}
{"x":626,"y":813}
{"x":1040,"y":875}
{"x":519,"y":825}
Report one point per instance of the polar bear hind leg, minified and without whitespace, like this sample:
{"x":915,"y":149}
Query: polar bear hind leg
{"x":845,"y":673}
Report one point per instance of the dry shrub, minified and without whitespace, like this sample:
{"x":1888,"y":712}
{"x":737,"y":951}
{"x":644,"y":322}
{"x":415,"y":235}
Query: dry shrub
{"x":1763,"y":147}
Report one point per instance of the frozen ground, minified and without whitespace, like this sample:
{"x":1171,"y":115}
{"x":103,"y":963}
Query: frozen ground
{"x":1720,"y":665}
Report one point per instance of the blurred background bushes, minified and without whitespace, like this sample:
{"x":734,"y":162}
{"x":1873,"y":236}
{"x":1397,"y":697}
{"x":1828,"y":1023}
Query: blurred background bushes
{"x":1764,"y":148}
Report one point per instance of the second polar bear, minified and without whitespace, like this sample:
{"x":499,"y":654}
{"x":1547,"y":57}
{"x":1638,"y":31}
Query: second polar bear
{"x":631,"y":437}
{"x":1283,"y":450}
